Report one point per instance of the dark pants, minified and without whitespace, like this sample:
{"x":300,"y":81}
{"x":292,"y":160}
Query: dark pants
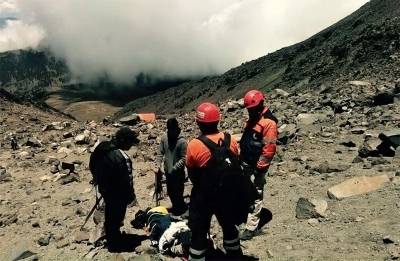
{"x":114,"y":216}
{"x":175,"y":188}
{"x":200,"y":214}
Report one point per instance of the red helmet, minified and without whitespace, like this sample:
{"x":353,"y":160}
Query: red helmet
{"x":253,"y":98}
{"x":207,"y":113}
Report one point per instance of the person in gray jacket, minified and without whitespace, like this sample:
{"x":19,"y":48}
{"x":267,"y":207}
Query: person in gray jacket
{"x":171,"y":162}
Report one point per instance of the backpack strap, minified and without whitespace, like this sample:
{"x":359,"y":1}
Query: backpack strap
{"x":227,"y":140}
{"x":212,"y":146}
{"x":269,"y":115}
{"x":208,"y":143}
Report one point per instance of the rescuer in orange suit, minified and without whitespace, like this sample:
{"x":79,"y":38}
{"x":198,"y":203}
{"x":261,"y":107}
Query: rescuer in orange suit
{"x":204,"y":168}
{"x":257,"y":149}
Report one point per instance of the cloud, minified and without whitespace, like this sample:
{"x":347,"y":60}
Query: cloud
{"x":8,"y":8}
{"x":174,"y":38}
{"x":17,"y":35}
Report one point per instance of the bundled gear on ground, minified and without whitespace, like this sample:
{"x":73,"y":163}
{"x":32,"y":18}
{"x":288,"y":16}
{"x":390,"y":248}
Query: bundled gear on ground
{"x":167,"y":235}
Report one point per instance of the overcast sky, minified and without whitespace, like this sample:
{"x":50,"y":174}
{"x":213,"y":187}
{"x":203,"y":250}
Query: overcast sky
{"x":174,"y":38}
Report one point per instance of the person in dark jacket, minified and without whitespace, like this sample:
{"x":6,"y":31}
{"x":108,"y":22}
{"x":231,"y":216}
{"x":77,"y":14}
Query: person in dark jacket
{"x":171,"y":161}
{"x":112,"y":172}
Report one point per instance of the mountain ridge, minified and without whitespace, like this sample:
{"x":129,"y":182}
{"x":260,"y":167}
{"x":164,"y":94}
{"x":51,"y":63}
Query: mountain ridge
{"x":351,"y":49}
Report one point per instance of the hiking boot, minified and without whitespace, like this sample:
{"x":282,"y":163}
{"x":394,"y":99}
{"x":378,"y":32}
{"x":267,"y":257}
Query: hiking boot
{"x":248,"y":234}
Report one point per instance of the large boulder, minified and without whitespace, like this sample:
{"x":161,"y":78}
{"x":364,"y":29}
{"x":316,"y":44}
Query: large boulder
{"x":357,"y":186}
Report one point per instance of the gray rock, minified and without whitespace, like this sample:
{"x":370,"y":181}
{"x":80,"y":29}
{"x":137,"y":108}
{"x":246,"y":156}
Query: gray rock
{"x":306,"y":119}
{"x":357,"y":186}
{"x":65,"y":171}
{"x":348,"y":143}
{"x":329,"y":167}
{"x":48,"y":127}
{"x":370,"y":147}
{"x":31,"y":142}
{"x":24,"y":155}
{"x":357,"y":159}
{"x":44,"y":240}
{"x":130,"y":120}
{"x":396,"y":158}
{"x":4,"y":175}
{"x":23,"y":255}
{"x":81,"y":236}
{"x":392,"y":137}
{"x":68,"y":179}
{"x":82,"y":139}
{"x":52,"y":161}
{"x":389,"y":240}
{"x":384,"y":98}
{"x":279,"y":93}
{"x":68,"y":166}
{"x":313,"y":208}
{"x":358,"y":130}
{"x":64,"y":150}
{"x":67,"y":135}
{"x":53,"y":169}
{"x":67,"y":144}
{"x":378,"y":161}
{"x":8,"y":219}
{"x":232,"y":106}
{"x":287,"y":132}
{"x":360,"y":83}
{"x":80,"y":212}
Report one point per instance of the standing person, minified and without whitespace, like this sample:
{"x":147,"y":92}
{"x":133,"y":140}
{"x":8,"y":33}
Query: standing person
{"x":206,"y":159}
{"x":257,"y":149}
{"x":171,"y":162}
{"x":14,"y":143}
{"x":112,"y":172}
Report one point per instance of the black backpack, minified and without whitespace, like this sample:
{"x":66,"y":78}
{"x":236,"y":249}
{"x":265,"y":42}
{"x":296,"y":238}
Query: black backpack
{"x":225,"y":182}
{"x":99,"y":163}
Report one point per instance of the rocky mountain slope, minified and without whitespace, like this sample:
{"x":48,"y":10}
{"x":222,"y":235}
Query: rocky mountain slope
{"x":45,"y":191}
{"x":364,"y":45}
{"x":32,"y":75}
{"x":25,"y":73}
